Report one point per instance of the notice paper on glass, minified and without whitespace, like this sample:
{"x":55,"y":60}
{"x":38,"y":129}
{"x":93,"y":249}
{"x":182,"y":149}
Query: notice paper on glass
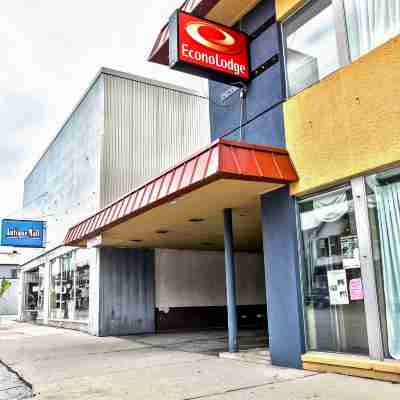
{"x":350,"y":252}
{"x":338,"y":291}
{"x":356,"y":289}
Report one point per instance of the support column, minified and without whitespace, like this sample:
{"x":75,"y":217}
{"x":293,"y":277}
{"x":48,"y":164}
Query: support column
{"x":230,"y":281}
{"x":282,"y":274}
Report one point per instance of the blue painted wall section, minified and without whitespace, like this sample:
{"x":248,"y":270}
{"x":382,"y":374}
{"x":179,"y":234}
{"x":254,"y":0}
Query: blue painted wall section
{"x":281,"y":259}
{"x":263,"y":115}
{"x":263,"y":123}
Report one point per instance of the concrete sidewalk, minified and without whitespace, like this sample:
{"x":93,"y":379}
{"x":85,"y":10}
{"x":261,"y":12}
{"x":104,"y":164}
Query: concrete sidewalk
{"x":64,"y":364}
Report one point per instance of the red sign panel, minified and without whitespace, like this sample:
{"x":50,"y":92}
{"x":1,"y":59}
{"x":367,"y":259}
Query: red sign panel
{"x":210,"y":46}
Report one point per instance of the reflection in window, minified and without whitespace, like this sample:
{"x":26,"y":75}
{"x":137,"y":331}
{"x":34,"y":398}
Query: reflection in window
{"x":332,"y":283}
{"x":371,"y":23}
{"x":69,"y":289}
{"x":311,"y":46}
{"x":31,"y":282}
{"x":316,"y":34}
{"x":383,"y":191}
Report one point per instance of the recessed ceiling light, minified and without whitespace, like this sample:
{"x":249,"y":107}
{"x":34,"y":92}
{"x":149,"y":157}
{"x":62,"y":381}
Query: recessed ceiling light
{"x":196,"y":219}
{"x":162,"y":232}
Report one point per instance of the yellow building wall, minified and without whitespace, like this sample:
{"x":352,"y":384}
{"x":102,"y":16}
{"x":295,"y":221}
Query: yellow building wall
{"x":286,"y":7}
{"x":347,"y":124}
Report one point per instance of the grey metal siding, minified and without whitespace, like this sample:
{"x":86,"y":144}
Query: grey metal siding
{"x":126,"y":282}
{"x":148,"y":128}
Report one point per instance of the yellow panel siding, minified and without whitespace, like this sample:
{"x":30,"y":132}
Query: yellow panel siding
{"x":286,"y":7}
{"x":347,"y":124}
{"x":228,"y":12}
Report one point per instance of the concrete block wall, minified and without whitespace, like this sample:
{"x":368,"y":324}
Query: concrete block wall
{"x":190,"y":289}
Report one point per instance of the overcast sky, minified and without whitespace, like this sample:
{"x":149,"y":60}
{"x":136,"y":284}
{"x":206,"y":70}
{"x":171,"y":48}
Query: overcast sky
{"x":51,"y":50}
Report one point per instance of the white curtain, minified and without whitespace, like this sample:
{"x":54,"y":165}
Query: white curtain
{"x":371,"y":23}
{"x":388,"y":206}
{"x":329,"y":208}
{"x":327,"y":212}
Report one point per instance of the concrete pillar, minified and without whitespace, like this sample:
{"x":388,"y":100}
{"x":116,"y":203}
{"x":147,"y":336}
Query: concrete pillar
{"x":230,"y":281}
{"x":281,"y":262}
{"x":46,"y":302}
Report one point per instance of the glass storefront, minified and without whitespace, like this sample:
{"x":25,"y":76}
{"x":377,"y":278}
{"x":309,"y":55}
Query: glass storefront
{"x":333,"y":295}
{"x":350,"y":254}
{"x":69,"y":289}
{"x":41,"y":292}
{"x":31,"y":282}
{"x":383,"y":191}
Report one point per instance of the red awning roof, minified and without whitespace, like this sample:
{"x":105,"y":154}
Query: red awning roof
{"x":160,"y":52}
{"x":220,"y":160}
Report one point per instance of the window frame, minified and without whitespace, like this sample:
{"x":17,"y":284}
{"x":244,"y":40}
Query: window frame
{"x":342,"y":41}
{"x":72,"y":269}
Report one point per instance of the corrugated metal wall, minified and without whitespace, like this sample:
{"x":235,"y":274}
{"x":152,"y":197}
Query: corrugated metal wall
{"x":126,"y":291}
{"x":148,"y":128}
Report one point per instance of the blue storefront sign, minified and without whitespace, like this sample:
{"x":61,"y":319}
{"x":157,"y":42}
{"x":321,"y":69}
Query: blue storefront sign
{"x":22,"y":233}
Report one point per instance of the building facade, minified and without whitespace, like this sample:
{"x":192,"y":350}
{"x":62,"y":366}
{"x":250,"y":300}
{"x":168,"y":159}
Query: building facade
{"x":323,"y":88}
{"x":300,"y":180}
{"x":124,"y":130}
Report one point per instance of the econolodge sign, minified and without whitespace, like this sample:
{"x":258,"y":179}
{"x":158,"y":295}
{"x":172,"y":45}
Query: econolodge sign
{"x":207,"y":49}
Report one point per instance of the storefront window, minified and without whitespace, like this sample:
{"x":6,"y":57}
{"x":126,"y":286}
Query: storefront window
{"x":332,"y":284}
{"x":383,"y":191}
{"x":82,"y":292}
{"x":371,"y":23}
{"x":311,"y":46}
{"x":41,"y":292}
{"x":31,"y":281}
{"x":55,"y":290}
{"x":69,"y":289}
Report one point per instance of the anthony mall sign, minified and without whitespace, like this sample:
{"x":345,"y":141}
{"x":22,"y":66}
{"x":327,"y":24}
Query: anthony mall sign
{"x":204,"y":48}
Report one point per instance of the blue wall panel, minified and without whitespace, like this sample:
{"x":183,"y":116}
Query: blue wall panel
{"x":255,"y":18}
{"x":264,"y":46}
{"x":265,"y":92}
{"x":224,"y":115}
{"x":266,"y":129}
{"x":281,"y":259}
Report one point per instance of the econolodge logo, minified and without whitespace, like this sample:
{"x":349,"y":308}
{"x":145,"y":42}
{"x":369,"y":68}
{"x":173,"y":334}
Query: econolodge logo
{"x":213,"y":37}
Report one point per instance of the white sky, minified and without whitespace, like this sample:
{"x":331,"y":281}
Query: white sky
{"x":50,"y":51}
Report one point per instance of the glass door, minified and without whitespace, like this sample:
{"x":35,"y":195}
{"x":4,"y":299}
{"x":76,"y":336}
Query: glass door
{"x":333,"y":291}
